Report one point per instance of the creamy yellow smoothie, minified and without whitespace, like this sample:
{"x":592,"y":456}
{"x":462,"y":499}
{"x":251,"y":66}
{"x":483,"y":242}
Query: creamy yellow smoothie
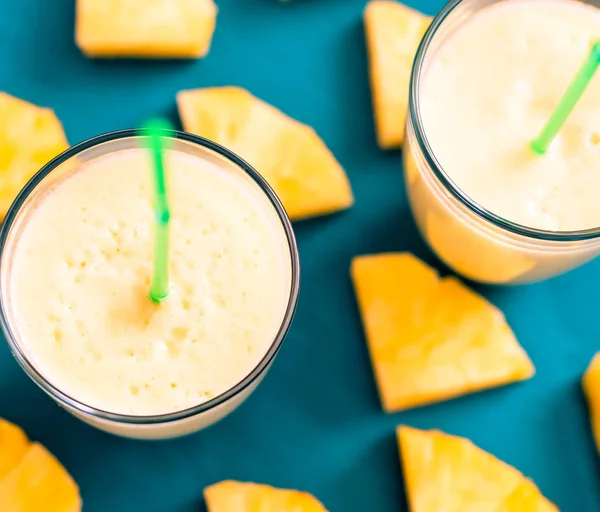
{"x":486,"y":89}
{"x":81,"y":267}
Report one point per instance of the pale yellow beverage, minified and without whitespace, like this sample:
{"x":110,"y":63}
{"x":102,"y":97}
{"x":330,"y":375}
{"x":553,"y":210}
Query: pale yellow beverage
{"x":77,"y":289}
{"x":488,"y":80}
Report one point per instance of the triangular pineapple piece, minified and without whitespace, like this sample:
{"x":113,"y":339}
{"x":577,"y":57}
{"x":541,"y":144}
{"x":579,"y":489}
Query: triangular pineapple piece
{"x":431,"y":339}
{"x":450,"y":473}
{"x":230,"y":496}
{"x":591,"y":387}
{"x":13,"y":446}
{"x":393,"y":33}
{"x":289,"y":155}
{"x":144,"y":29}
{"x":39,"y":483}
{"x":30,"y":137}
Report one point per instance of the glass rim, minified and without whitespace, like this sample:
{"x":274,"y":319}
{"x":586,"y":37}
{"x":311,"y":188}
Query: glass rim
{"x":65,"y":399}
{"x":443,"y":178}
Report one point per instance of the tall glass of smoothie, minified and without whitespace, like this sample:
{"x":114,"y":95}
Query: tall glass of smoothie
{"x":487,"y":77}
{"x":75,"y":269}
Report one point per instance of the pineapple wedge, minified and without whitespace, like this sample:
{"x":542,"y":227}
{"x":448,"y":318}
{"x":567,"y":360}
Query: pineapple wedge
{"x":431,"y":338}
{"x":13,"y":446}
{"x":39,"y":483}
{"x":450,"y":473}
{"x":393,"y":33}
{"x":145,"y":29}
{"x":591,"y":388}
{"x":289,"y":155}
{"x":230,"y":496}
{"x":30,"y":136}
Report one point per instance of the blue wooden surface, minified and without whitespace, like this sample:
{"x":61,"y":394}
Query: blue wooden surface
{"x":315,"y":422}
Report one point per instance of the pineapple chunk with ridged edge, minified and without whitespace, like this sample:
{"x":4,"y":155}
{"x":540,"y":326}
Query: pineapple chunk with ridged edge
{"x":449,"y":473}
{"x":39,"y":483}
{"x":145,"y":28}
{"x":393,"y":32}
{"x":30,"y":136}
{"x":431,"y":338}
{"x":289,"y":155}
{"x":231,"y":496}
{"x":13,"y":446}
{"x":591,"y":388}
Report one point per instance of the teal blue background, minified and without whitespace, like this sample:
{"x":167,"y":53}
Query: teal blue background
{"x":315,"y":422}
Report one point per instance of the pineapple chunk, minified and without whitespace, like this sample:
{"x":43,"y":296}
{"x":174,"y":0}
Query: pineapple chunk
{"x":145,"y":28}
{"x":289,"y":155}
{"x":591,"y":388}
{"x":450,"y":473}
{"x":30,"y":137}
{"x":431,"y":339}
{"x":13,"y":446}
{"x":230,"y":496}
{"x":39,"y":483}
{"x":393,"y":33}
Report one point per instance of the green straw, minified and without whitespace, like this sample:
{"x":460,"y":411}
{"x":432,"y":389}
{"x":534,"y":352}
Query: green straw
{"x":159,"y":287}
{"x":568,"y":101}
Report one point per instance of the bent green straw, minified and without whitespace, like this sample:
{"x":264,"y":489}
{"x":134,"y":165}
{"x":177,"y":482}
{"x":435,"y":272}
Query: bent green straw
{"x":568,"y":101}
{"x":159,"y":287}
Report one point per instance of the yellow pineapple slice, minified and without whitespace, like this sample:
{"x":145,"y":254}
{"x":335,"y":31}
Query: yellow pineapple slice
{"x":591,"y":387}
{"x":39,"y":483}
{"x":289,"y":155}
{"x":145,"y":28}
{"x":30,"y":137}
{"x":230,"y":496}
{"x":13,"y":446}
{"x":450,"y":473}
{"x":431,"y":339}
{"x":393,"y":33}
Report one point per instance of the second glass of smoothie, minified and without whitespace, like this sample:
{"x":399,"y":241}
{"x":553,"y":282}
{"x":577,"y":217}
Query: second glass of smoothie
{"x":486,"y":78}
{"x":75,"y":268}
